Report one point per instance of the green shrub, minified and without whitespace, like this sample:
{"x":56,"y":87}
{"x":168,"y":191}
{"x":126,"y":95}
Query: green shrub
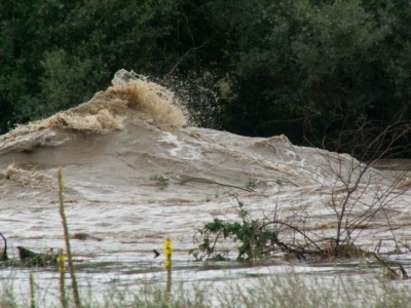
{"x":254,"y":236}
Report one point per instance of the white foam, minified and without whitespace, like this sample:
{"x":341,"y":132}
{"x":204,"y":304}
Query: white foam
{"x":181,"y":150}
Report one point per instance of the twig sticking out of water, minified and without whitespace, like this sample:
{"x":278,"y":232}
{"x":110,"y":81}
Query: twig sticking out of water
{"x":388,"y":265}
{"x":32,"y":295}
{"x":76,"y":296}
{"x":187,"y":179}
{"x":4,"y":256}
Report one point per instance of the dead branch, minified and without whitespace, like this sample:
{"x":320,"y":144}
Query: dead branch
{"x":188,"y":179}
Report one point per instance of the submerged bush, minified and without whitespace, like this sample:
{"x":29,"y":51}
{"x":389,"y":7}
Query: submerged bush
{"x":254,"y":236}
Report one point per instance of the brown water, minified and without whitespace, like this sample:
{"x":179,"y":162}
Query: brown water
{"x":134,"y":175}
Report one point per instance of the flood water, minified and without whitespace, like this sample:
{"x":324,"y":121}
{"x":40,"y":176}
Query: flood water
{"x":132,"y":185}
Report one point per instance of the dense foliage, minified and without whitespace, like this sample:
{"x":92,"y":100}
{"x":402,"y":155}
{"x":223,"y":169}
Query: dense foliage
{"x":257,"y":238}
{"x":306,"y":68}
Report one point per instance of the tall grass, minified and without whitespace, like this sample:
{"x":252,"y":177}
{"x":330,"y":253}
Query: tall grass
{"x":291,"y":291}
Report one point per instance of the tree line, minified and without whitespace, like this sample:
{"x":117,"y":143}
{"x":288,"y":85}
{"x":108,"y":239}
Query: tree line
{"x":309,"y":69}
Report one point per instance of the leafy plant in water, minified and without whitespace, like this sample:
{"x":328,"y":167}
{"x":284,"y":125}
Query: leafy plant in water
{"x":251,"y":184}
{"x":255,"y":236}
{"x":161,"y":181}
